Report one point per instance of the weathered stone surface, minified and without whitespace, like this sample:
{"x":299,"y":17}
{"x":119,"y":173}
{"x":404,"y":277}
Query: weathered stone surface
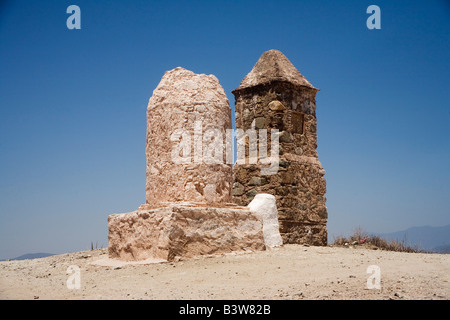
{"x":284,"y":163}
{"x":275,"y":91}
{"x":285,"y":136}
{"x":264,"y":205}
{"x":183,"y":231}
{"x":251,"y":194}
{"x":276,"y":106}
{"x":257,"y":181}
{"x":181,"y":101}
{"x":273,"y":66}
{"x":238,"y":189}
{"x":298,"y":232}
{"x":260,"y":123}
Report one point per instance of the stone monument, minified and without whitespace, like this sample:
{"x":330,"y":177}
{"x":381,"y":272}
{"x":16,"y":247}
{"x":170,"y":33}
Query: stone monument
{"x":274,"y":95}
{"x":188,"y":210}
{"x":197,"y":203}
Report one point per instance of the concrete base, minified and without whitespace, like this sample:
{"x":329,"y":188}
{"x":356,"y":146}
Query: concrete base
{"x":183,"y":231}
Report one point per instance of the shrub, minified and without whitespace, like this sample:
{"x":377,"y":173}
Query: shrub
{"x":360,"y":237}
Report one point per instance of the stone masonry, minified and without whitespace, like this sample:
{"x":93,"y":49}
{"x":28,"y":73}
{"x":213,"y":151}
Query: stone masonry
{"x":274,"y":95}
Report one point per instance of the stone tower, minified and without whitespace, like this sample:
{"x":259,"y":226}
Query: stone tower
{"x":274,"y":95}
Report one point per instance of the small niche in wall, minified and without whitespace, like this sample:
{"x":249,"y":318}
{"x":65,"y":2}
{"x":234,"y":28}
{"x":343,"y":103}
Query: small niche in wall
{"x":297,"y":122}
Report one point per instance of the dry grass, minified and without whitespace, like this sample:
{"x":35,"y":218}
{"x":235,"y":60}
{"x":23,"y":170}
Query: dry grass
{"x":360,"y":237}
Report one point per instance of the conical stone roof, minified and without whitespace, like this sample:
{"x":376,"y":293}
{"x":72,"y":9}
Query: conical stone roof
{"x":274,"y":66}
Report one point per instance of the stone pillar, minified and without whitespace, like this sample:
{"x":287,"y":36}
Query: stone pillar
{"x":190,"y":109}
{"x":274,"y":95}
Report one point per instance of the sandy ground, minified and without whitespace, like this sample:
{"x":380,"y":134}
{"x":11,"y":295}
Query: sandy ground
{"x":289,"y":272}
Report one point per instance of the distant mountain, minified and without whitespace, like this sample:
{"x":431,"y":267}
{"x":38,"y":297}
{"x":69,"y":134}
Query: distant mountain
{"x":33,"y":256}
{"x":429,"y":238}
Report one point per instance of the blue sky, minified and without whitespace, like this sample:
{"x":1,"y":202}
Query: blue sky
{"x":73,"y":105}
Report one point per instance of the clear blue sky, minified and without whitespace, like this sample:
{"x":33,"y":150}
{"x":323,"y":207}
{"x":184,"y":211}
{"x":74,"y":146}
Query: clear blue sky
{"x":73,"y":105}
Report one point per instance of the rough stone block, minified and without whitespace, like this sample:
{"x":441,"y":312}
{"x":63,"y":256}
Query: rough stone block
{"x":183,"y":231}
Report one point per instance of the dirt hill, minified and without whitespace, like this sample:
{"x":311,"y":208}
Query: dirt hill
{"x":289,"y":272}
